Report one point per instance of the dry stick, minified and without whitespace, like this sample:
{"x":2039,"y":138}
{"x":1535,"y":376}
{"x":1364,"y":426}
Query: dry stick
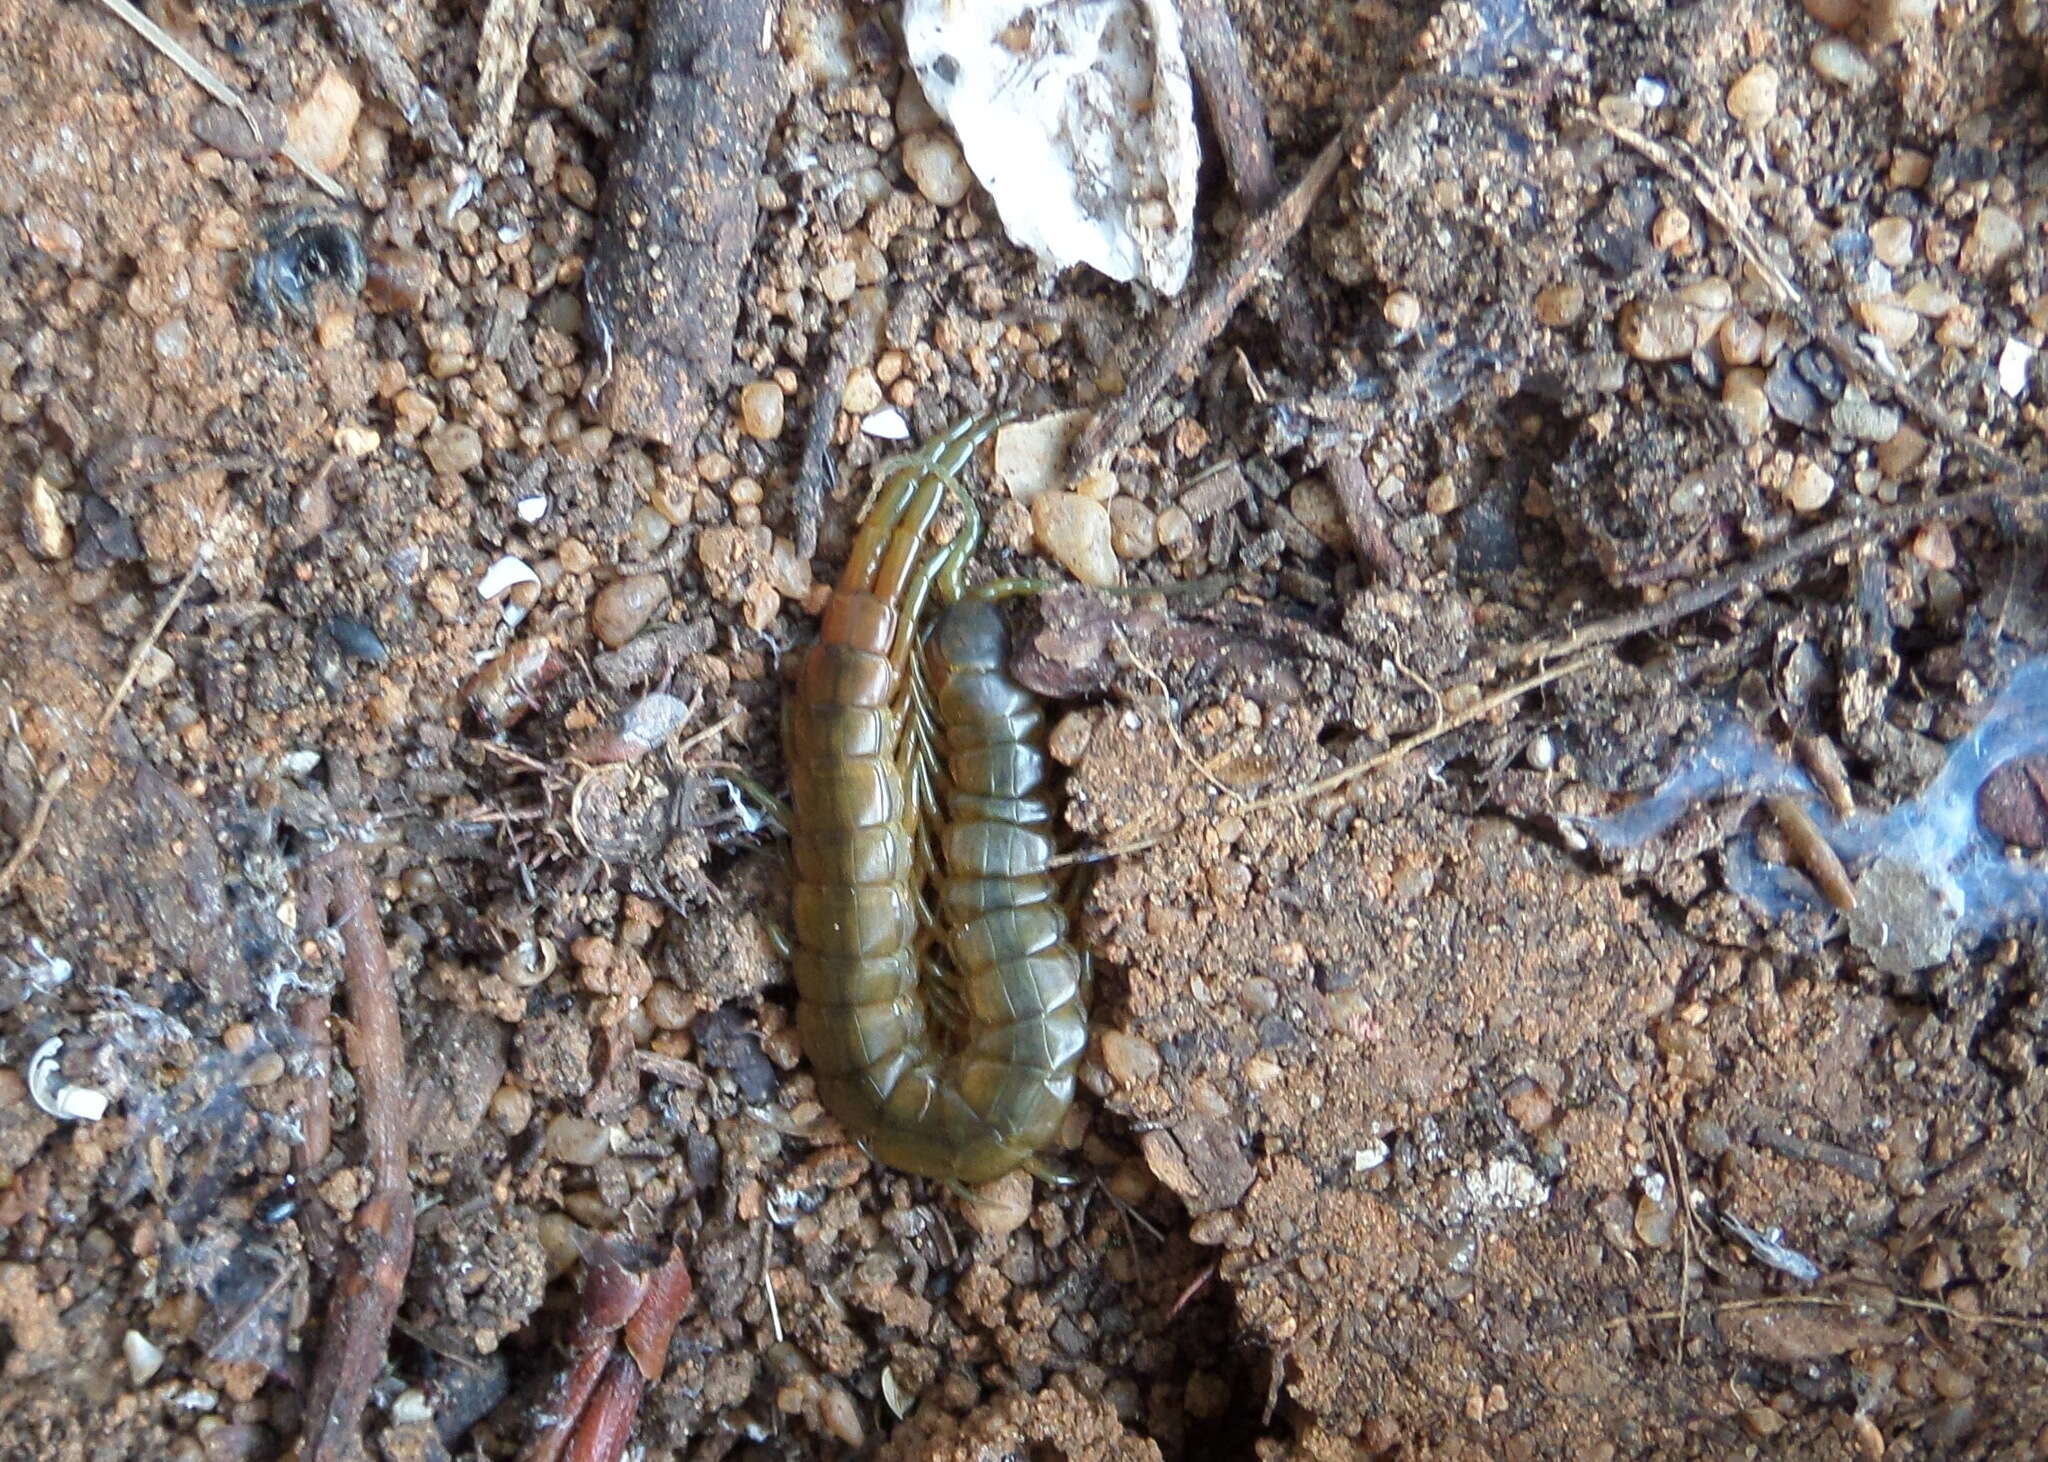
{"x":853,"y":341}
{"x":1364,"y":515}
{"x":210,"y":82}
{"x":60,"y":775}
{"x":1195,"y":325}
{"x":361,"y":28}
{"x":1216,"y":55}
{"x":370,"y":1279}
{"x":1351,"y":772}
{"x":1884,"y":523}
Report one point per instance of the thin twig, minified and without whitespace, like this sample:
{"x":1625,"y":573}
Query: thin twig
{"x":1884,"y":523}
{"x":1192,"y":327}
{"x":209,"y":80}
{"x":1364,"y":515}
{"x":369,"y":1281}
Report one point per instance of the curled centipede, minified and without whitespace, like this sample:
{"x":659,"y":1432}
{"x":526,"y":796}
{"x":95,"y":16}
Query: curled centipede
{"x":939,"y":999}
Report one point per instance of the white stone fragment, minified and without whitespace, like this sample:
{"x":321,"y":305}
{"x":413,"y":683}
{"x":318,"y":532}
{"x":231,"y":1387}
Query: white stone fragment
{"x":532,"y":508}
{"x":1078,"y":117}
{"x":2013,"y":362}
{"x":506,"y":573}
{"x":886,"y":425}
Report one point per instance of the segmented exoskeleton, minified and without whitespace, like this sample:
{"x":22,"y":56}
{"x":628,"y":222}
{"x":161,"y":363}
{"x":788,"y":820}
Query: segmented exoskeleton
{"x":895,"y":783}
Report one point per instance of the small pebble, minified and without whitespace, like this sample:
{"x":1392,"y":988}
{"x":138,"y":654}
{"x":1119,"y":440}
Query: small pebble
{"x":935,"y":165}
{"x":1835,"y":14}
{"x":2013,"y":803}
{"x":761,"y":410}
{"x":1000,"y":1208}
{"x":1661,"y":329}
{"x":1740,"y":339}
{"x":1811,"y":486}
{"x":1906,"y":450}
{"x":1742,"y":393}
{"x":1130,"y":1060}
{"x":1030,"y":455}
{"x":1402,"y":310}
{"x":1075,"y":531}
{"x":1559,"y":305}
{"x":1753,"y":99}
{"x":453,"y":449}
{"x":577,"y":1140}
{"x":863,"y":392}
{"x":1994,"y":238}
{"x":43,"y":525}
{"x":145,"y":1358}
{"x":1836,"y":59}
{"x":357,"y":639}
{"x":1888,"y":318}
{"x":626,"y":606}
{"x":323,"y":123}
{"x":1132,"y":531}
{"x":1890,"y":21}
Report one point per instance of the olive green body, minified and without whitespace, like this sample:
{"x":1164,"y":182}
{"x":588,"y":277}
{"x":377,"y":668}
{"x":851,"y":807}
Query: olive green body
{"x":985,"y":1099}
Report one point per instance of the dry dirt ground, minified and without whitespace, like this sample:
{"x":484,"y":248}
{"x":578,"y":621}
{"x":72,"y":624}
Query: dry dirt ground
{"x":1412,"y":1127}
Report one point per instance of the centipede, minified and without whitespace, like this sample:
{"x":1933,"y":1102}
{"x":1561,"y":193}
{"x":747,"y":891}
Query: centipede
{"x":940,"y":997}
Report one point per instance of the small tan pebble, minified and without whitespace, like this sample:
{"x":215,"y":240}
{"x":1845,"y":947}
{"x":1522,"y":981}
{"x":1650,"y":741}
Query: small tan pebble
{"x":1753,"y":98}
{"x":1174,"y":525}
{"x":1130,"y":1060}
{"x":668,"y":1007}
{"x":574,"y":557}
{"x":1906,"y":450}
{"x":511,"y":1108}
{"x":1314,"y":505}
{"x":1890,"y":21}
{"x":238,"y":1038}
{"x":453,"y":449}
{"x":1528,"y":1105}
{"x":1402,"y":310}
{"x":43,"y":525}
{"x":1740,"y":339}
{"x":577,"y":1140}
{"x":264,"y":1070}
{"x":1857,"y":416}
{"x":1929,"y":299}
{"x":1030,"y":456}
{"x":1995,"y":237}
{"x":1811,"y":486}
{"x":914,"y":113}
{"x":1001,"y":1207}
{"x":838,"y":279}
{"x":1075,"y":532}
{"x":55,"y":235}
{"x":1910,"y":168}
{"x":1889,"y":318}
{"x":1663,"y":329}
{"x":625,"y":607}
{"x":1559,"y":305}
{"x":413,"y":413}
{"x":1742,"y":393}
{"x":1762,"y":1422}
{"x":1891,"y":239}
{"x":321,"y":125}
{"x":647,"y":531}
{"x":1132,"y":531}
{"x":356,"y":441}
{"x":1935,"y":546}
{"x":761,"y":410}
{"x":839,"y":1415}
{"x":1068,"y":740}
{"x":1837,"y":59}
{"x":1440,"y":498}
{"x":863,"y":392}
{"x":1099,"y":483}
{"x":935,"y":165}
{"x":1671,"y":230}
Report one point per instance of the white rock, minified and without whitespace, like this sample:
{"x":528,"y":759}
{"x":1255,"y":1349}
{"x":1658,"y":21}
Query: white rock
{"x":504,"y":574}
{"x":533,"y":508}
{"x":886,"y":425}
{"x":1083,"y":130}
{"x":2013,"y":362}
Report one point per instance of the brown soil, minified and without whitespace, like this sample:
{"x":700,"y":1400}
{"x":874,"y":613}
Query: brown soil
{"x":1408,"y":1122}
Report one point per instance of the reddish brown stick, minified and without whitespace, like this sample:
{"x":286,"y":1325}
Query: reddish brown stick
{"x":377,"y":1248}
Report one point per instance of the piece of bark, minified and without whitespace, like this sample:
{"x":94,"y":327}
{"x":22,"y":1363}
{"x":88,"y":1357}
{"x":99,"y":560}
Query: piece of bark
{"x":678,"y":215}
{"x":501,"y":60}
